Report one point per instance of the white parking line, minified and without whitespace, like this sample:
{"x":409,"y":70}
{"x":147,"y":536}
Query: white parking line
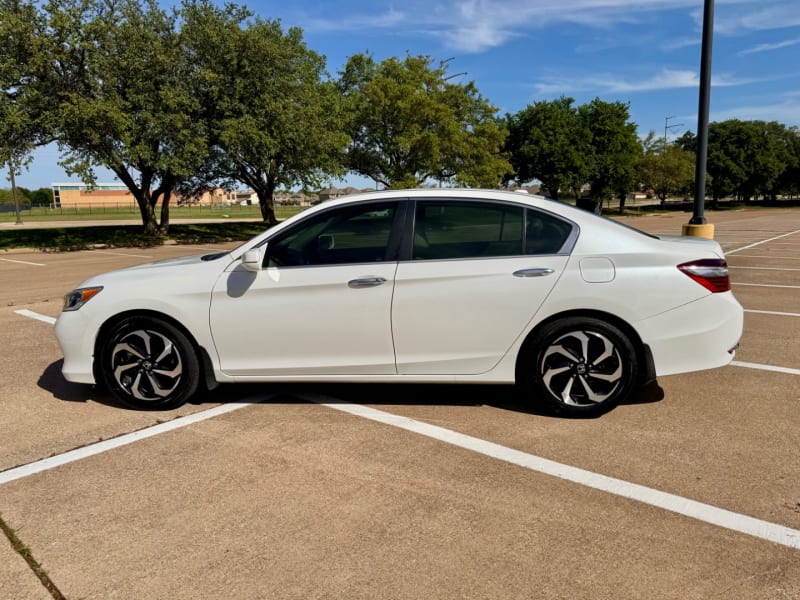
{"x":696,"y":510}
{"x":120,"y":254}
{"x":772,"y":312}
{"x":764,"y":268}
{"x":23,"y":262}
{"x":767,"y":256}
{"x":123,"y":440}
{"x":33,"y":315}
{"x":777,"y":237}
{"x":749,"y":365}
{"x":769,"y":285}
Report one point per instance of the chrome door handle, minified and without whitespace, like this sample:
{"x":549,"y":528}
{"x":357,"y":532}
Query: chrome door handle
{"x":533,"y":272}
{"x":363,"y":282}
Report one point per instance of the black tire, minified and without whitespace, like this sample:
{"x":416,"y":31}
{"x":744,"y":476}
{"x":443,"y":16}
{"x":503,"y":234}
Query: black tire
{"x":148,"y":364}
{"x":579,"y":366}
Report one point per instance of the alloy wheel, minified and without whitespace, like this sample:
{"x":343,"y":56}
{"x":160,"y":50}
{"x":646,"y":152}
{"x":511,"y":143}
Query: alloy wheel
{"x":147,"y":365}
{"x":581,"y":368}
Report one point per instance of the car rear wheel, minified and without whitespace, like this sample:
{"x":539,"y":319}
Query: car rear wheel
{"x":148,"y":364}
{"x":579,"y":366}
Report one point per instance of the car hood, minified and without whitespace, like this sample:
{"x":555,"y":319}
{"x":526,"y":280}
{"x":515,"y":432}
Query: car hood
{"x":173,"y":262}
{"x":170,"y":268}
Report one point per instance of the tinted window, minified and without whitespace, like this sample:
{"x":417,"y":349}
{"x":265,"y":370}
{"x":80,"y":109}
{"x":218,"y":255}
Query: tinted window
{"x":353,"y":234}
{"x":466,"y":230}
{"x":544,"y":233}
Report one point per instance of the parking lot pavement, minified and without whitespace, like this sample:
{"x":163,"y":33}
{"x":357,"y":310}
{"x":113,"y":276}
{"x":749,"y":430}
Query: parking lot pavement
{"x":771,"y":339}
{"x":17,"y":581}
{"x":291,"y":499}
{"x":42,"y":414}
{"x":783,"y":300}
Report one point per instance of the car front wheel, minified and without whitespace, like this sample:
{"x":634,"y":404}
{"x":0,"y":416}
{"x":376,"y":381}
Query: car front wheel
{"x":149,"y":364}
{"x":580,"y":366}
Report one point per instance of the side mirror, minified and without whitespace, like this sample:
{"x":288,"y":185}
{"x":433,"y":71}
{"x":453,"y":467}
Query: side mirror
{"x":253,"y":259}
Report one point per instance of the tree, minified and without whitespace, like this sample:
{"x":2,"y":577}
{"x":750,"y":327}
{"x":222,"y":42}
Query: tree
{"x":548,"y":141}
{"x":666,"y":169}
{"x":273,"y":117}
{"x":107,"y":82}
{"x":126,"y":104}
{"x":789,"y":181}
{"x":409,"y":124}
{"x":615,"y":148}
{"x":23,"y":122}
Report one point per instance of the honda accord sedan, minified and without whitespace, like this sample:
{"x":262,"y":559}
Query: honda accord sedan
{"x":413,"y":286}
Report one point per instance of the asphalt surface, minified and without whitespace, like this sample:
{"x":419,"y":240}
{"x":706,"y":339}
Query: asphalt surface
{"x":285,"y":495}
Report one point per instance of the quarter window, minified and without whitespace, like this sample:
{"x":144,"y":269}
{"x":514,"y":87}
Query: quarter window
{"x":544,"y":233}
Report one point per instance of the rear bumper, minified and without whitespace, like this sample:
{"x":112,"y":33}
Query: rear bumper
{"x":700,"y":335}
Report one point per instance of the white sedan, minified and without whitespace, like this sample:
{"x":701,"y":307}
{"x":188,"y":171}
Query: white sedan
{"x":413,"y":286}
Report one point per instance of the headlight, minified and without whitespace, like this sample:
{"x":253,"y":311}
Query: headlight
{"x":77,"y":298}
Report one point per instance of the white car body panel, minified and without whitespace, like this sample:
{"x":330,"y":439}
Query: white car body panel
{"x":300,"y":317}
{"x":459,"y":317}
{"x":305,"y":324}
{"x":184,"y":281}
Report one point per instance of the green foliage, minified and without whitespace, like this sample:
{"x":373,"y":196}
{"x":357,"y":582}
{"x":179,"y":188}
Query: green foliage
{"x":23,"y":107}
{"x":615,"y":147}
{"x":750,"y":158}
{"x":409,"y":124}
{"x":667,"y":170}
{"x":128,"y":107}
{"x":549,"y":141}
{"x":274,"y":119}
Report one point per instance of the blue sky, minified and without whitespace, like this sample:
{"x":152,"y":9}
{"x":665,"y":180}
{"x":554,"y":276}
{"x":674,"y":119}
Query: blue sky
{"x":644,"y":52}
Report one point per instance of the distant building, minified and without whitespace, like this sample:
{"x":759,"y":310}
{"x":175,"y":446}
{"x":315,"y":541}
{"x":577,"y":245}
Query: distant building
{"x":70,"y":195}
{"x":111,"y":195}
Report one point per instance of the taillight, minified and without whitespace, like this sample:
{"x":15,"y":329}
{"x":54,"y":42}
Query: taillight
{"x":711,"y":273}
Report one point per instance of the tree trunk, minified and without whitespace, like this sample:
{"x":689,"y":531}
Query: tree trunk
{"x":552,"y":190}
{"x":622,"y":197}
{"x":266,"y":200}
{"x":165,"y":212}
{"x":148,"y":215}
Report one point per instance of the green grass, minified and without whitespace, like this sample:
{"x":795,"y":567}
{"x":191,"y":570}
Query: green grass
{"x":176,"y":213}
{"x":125,"y":236}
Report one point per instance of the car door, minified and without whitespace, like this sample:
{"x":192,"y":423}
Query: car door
{"x":470,"y":280}
{"x":320,"y":305}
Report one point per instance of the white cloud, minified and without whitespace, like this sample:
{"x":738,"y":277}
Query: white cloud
{"x":770,"y":47}
{"x":664,"y":80}
{"x":748,"y":16}
{"x":388,"y":20}
{"x":478,"y":25}
{"x":786,"y":112}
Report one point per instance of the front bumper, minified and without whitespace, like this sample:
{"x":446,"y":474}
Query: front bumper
{"x":74,"y":335}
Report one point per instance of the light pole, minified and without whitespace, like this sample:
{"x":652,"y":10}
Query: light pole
{"x":697,"y":226}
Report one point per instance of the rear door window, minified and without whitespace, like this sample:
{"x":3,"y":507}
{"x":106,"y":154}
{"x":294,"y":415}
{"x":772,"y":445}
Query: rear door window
{"x":447,"y":230}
